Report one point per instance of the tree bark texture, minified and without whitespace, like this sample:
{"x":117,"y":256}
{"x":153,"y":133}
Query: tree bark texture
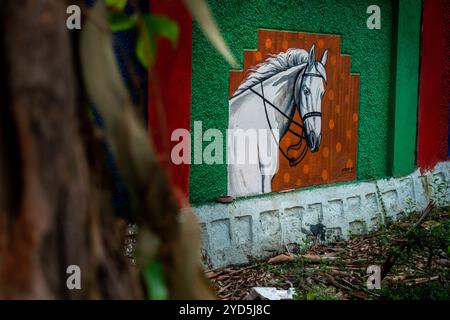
{"x":54,"y":202}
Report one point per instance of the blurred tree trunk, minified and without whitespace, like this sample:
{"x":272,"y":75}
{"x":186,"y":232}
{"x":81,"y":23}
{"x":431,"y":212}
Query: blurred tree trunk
{"x":54,"y":198}
{"x":55,"y":195}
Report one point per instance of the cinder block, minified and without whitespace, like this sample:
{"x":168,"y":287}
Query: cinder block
{"x":270,"y":227}
{"x":220,"y":235}
{"x":333,"y":234}
{"x":243,"y":231}
{"x":291,"y":225}
{"x":256,"y":227}
{"x":358,"y":227}
{"x":390,"y":199}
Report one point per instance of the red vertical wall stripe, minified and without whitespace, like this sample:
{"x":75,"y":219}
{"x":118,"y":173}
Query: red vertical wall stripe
{"x":170,"y":90}
{"x":434,"y":96}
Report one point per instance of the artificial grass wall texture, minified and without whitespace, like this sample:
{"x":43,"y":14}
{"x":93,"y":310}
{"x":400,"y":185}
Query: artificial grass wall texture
{"x":371,"y":56}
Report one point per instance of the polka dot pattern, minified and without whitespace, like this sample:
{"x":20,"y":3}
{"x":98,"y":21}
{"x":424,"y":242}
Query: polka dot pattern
{"x":324,"y":175}
{"x":349,"y":163}
{"x":338,"y":108}
{"x":330,"y":94}
{"x":348,"y":134}
{"x":305,"y":169}
{"x":331,"y":124}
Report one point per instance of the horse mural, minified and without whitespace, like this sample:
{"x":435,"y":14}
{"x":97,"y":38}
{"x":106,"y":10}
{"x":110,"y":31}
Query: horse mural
{"x":266,"y":102}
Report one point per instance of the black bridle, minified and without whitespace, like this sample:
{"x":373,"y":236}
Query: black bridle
{"x":293,"y":161}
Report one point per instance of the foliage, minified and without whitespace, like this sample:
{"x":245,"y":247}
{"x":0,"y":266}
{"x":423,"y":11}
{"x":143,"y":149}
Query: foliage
{"x":433,"y":237}
{"x":439,"y":192}
{"x":426,"y":291}
{"x":150,"y":28}
{"x":113,"y":102}
{"x":116,"y":4}
{"x":316,"y":292}
{"x":419,"y":273}
{"x":305,"y":244}
{"x":120,"y":21}
{"x":154,"y":275}
{"x":162,"y":233}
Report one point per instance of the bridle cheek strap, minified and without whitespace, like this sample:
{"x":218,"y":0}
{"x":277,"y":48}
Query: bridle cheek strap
{"x":314,"y":113}
{"x":293,"y":161}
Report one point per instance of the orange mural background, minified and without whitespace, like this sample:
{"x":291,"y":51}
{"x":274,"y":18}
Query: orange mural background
{"x":336,"y":159}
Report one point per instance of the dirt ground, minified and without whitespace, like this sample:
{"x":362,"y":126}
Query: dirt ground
{"x":338,"y":271}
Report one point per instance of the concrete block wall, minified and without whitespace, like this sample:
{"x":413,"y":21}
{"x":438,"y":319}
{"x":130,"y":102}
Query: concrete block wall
{"x":261,"y":226}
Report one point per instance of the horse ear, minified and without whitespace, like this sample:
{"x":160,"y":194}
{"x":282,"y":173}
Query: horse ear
{"x":324,"y":57}
{"x":312,"y":58}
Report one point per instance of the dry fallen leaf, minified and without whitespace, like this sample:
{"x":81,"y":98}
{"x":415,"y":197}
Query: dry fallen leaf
{"x":281,"y":258}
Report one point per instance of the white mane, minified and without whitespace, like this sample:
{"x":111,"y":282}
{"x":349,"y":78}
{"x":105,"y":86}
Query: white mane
{"x":273,"y":65}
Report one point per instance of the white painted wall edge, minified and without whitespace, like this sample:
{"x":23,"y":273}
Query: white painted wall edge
{"x":254,"y":228}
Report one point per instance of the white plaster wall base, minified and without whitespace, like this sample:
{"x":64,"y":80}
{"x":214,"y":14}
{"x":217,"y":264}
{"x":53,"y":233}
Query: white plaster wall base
{"x":260,"y":226}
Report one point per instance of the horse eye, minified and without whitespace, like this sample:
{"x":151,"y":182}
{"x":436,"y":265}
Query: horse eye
{"x":306,"y":92}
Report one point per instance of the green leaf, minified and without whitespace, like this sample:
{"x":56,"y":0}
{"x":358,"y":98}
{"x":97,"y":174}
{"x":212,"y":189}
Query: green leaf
{"x":154,"y":277}
{"x":116,"y":4}
{"x":145,"y":48}
{"x":154,"y":26}
{"x":310,"y":296}
{"x":120,"y":21}
{"x":162,"y":26}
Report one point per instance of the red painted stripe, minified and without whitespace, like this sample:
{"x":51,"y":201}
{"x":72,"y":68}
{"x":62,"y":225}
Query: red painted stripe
{"x":433,"y":106}
{"x":170,"y":91}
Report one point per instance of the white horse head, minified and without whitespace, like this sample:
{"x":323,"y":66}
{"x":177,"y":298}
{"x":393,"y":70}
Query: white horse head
{"x":267,"y":100}
{"x":308,"y":94}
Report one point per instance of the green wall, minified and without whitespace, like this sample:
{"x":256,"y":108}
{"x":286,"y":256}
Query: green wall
{"x":407,"y":87}
{"x":371,"y":55}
